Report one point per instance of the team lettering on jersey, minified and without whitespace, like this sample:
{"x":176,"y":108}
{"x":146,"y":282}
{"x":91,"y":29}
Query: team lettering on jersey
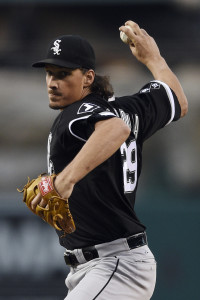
{"x":127,"y":119}
{"x":49,"y":161}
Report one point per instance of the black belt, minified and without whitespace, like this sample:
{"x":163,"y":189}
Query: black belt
{"x":90,"y":253}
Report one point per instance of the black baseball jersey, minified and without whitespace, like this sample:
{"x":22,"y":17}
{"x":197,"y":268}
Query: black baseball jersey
{"x":102,"y":203}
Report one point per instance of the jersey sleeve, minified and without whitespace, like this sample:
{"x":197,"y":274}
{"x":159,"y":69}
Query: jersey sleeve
{"x":82,"y":126}
{"x":156,"y":106}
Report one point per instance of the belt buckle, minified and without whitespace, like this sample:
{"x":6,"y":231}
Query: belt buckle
{"x":90,"y":253}
{"x":70,"y":259}
{"x":137,"y":240}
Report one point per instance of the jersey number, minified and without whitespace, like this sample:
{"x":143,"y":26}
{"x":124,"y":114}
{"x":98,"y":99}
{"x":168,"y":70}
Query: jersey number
{"x":129,"y":157}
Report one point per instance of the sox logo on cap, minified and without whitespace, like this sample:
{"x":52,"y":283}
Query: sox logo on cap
{"x":56,"y":47}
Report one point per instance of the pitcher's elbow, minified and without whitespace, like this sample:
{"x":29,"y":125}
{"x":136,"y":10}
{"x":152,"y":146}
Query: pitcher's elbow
{"x":126,"y":131}
{"x":184,"y":109}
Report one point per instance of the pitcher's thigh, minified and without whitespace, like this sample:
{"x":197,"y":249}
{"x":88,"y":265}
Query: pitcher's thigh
{"x":132,"y":281}
{"x":116,"y":279}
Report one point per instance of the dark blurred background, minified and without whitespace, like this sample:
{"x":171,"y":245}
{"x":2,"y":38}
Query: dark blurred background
{"x":31,"y":260}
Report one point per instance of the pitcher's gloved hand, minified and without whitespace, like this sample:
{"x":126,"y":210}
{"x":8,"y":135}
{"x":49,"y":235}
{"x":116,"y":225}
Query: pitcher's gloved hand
{"x":56,"y":212}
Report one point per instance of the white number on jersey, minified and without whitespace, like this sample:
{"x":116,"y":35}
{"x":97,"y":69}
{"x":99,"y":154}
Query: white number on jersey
{"x":129,"y":157}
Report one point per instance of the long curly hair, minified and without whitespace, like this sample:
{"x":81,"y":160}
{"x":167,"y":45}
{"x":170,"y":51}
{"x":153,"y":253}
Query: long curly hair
{"x":101,"y":85}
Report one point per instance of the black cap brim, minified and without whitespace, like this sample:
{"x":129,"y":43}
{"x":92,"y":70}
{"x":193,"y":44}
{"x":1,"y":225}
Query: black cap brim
{"x":56,"y":62}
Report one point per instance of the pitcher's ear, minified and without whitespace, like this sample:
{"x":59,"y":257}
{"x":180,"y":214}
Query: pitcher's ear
{"x":89,"y":77}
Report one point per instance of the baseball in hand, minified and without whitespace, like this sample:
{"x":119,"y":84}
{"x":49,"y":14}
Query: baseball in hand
{"x":124,"y":37}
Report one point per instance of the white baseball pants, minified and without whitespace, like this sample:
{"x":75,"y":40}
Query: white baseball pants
{"x":118,"y":274}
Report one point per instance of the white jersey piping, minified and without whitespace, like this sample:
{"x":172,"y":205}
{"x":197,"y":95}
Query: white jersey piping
{"x":82,"y":118}
{"x":170,"y":97}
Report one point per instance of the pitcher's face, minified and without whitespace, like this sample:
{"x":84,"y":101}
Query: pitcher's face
{"x":65,"y":86}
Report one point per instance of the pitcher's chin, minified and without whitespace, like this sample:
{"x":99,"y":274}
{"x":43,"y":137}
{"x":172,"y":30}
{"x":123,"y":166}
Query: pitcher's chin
{"x":55,"y":106}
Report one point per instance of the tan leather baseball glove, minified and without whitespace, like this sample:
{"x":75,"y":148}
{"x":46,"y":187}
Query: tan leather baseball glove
{"x":56,"y":212}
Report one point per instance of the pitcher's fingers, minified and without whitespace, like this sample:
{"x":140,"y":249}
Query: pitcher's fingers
{"x":135,"y":27}
{"x":144,"y":31}
{"x":126,"y":29}
{"x":43,"y":203}
{"x":129,"y":32}
{"x":35,"y":202}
